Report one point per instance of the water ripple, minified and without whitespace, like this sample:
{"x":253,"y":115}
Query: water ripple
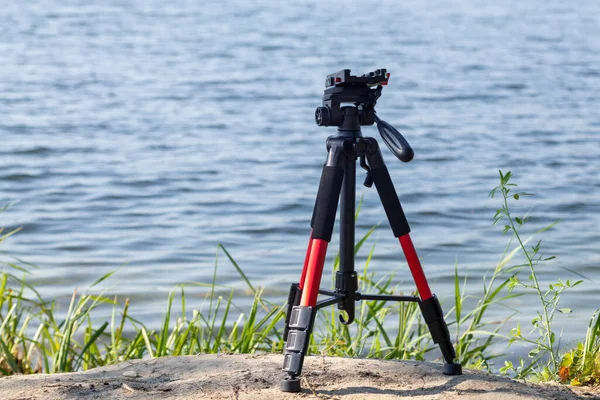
{"x":147,"y":133}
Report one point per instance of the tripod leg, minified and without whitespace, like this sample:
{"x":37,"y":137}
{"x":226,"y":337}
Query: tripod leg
{"x":296,"y":291}
{"x":300,"y":319}
{"x":306,"y":260}
{"x":429,"y":304}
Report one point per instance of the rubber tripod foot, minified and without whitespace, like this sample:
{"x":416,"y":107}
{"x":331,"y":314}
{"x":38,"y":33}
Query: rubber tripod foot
{"x":452,"y":369}
{"x":291,"y":385}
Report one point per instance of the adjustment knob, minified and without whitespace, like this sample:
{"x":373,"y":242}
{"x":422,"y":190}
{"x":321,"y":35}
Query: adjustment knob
{"x":323,"y":116}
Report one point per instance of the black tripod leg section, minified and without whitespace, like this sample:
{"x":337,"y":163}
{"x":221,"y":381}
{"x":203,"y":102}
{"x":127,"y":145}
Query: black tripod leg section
{"x":385,"y":188}
{"x":434,"y":318}
{"x":300,"y":324}
{"x":293,"y":300}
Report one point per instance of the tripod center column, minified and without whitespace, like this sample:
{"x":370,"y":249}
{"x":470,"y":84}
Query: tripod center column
{"x":347,"y":213}
{"x":346,"y":279}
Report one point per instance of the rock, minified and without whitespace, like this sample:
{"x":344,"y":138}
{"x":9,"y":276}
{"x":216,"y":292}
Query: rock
{"x":247,"y":377}
{"x":130,"y":374}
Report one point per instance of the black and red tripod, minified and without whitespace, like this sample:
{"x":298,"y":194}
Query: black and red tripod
{"x":338,"y":182}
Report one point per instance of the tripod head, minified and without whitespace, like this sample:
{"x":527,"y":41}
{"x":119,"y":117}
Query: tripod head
{"x":363,"y":92}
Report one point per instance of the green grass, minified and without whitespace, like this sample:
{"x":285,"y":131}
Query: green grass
{"x":581,"y":365}
{"x":35,"y":336}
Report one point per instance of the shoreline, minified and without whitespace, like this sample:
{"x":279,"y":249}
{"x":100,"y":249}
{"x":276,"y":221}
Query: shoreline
{"x":243,"y":376}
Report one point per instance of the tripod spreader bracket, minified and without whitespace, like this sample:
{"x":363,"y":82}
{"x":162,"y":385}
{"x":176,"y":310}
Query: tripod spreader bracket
{"x":346,"y":283}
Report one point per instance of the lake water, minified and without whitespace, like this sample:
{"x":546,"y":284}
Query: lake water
{"x":144,"y":133}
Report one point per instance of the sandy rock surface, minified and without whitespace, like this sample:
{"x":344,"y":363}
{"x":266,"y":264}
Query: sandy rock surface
{"x":240,"y":377}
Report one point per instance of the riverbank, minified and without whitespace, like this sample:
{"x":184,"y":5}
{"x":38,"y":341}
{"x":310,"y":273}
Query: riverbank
{"x":257,"y":377}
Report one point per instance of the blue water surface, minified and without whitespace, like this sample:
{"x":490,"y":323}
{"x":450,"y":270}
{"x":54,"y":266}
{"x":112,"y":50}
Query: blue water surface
{"x":142,"y":134}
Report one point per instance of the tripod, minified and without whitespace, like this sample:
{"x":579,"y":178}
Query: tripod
{"x":338,"y":182}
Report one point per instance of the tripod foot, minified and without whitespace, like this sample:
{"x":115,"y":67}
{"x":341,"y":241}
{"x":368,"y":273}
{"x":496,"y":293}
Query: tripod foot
{"x":452,"y":369}
{"x":290,"y":384}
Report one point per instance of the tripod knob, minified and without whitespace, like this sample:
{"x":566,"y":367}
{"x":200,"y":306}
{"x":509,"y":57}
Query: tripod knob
{"x":368,"y":180}
{"x":323,"y":116}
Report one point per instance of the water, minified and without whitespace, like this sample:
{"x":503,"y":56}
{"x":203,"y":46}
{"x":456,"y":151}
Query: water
{"x":145,"y":133}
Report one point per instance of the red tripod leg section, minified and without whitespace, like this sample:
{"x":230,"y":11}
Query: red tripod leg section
{"x":415,"y":267}
{"x":314,"y":270}
{"x":306,"y":260}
